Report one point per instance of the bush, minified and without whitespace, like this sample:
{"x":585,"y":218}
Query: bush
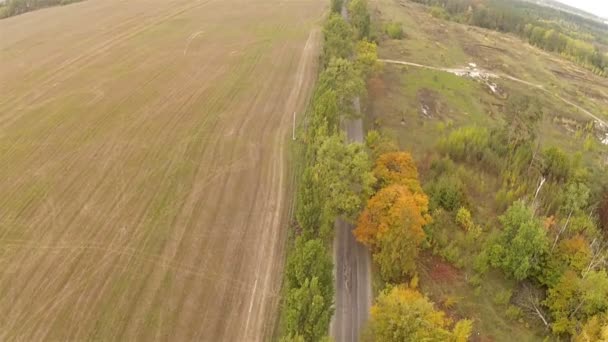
{"x":439,"y":13}
{"x":447,"y":193}
{"x":556,"y":164}
{"x":502,"y":297}
{"x":394,"y":30}
{"x":513,"y":312}
{"x":464,"y":219}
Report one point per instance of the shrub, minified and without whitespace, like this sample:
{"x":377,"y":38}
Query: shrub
{"x":394,"y":30}
{"x":502,"y":297}
{"x":464,"y":219}
{"x":513,"y":312}
{"x":439,"y":13}
{"x":447,"y":193}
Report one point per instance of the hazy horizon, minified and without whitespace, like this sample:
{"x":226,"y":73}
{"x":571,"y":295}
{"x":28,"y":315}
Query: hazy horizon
{"x":599,"y":8}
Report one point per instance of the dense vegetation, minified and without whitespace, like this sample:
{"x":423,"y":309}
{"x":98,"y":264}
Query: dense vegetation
{"x":335,"y":179}
{"x":16,"y":7}
{"x":540,"y":220}
{"x":516,"y":223}
{"x":548,"y":241}
{"x":582,"y":40}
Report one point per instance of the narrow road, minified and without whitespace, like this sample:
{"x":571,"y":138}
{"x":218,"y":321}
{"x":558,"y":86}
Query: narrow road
{"x":352,"y":261}
{"x":515,"y":79}
{"x":352,"y":267}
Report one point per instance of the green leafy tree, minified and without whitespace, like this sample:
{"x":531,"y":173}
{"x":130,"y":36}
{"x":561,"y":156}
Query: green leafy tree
{"x":342,"y":77}
{"x":310,"y":259}
{"x":308,"y":205}
{"x":379,"y":144}
{"x":522,"y":114}
{"x":556,"y":164}
{"x":575,"y":299}
{"x":338,"y":38}
{"x":336,"y":6}
{"x":522,"y":244}
{"x":575,"y":198}
{"x":343,"y":173}
{"x":359,"y":18}
{"x":308,"y":311}
{"x":326,"y":110}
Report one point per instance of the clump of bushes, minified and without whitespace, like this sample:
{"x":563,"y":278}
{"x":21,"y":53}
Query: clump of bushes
{"x":394,"y":30}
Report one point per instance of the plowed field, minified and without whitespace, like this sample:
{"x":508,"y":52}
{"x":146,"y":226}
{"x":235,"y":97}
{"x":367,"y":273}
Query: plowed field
{"x":143,"y":175}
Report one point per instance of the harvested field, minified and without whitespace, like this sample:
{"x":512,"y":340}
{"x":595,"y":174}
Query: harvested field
{"x":142,"y":166}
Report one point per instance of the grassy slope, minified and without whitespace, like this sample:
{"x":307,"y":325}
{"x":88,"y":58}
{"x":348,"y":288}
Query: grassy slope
{"x":398,"y":94}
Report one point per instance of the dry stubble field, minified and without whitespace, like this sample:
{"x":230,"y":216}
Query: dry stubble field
{"x":143,"y":179}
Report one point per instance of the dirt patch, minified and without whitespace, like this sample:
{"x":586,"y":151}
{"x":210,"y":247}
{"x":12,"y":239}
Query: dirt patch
{"x":376,"y":87}
{"x":431,"y":106}
{"x":440,"y":271}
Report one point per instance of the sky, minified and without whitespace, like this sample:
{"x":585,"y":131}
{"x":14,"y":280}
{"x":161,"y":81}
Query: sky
{"x":597,"y":7}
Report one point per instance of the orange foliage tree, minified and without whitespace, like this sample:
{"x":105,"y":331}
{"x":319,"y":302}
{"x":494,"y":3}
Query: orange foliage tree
{"x":397,"y":168}
{"x":391,"y":225}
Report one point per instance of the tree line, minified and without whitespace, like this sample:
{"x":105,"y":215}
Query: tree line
{"x":15,"y":7}
{"x":335,"y":178}
{"x":574,"y":37}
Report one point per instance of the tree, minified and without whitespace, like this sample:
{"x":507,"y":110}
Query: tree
{"x":379,"y":144}
{"x":397,"y":168}
{"x":522,"y":244}
{"x":308,"y":206}
{"x":342,"y":77}
{"x":342,"y":173}
{"x":391,"y":225}
{"x":464,"y":219}
{"x":336,"y":6}
{"x":338,"y":38}
{"x":402,"y":314}
{"x":308,"y":312}
{"x":390,"y":208}
{"x":325,"y":108}
{"x":310,"y":259}
{"x":398,"y":251}
{"x":594,"y":330}
{"x":561,"y":301}
{"x":556,"y":165}
{"x":523,"y":113}
{"x":359,"y":18}
{"x":574,"y":299}
{"x":575,"y":199}
{"x":366,"y":58}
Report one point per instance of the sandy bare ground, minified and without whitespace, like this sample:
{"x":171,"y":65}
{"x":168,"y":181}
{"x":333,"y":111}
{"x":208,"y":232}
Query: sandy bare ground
{"x":142,"y":166}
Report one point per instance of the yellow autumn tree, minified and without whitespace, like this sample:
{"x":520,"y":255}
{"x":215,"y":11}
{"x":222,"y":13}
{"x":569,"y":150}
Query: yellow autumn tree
{"x":403,"y":314}
{"x":397,"y":168}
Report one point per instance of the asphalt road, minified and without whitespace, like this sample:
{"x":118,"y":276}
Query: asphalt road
{"x":352,"y":271}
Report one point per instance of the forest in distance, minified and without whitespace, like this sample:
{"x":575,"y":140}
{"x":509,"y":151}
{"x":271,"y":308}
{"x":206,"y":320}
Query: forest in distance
{"x":581,"y":39}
